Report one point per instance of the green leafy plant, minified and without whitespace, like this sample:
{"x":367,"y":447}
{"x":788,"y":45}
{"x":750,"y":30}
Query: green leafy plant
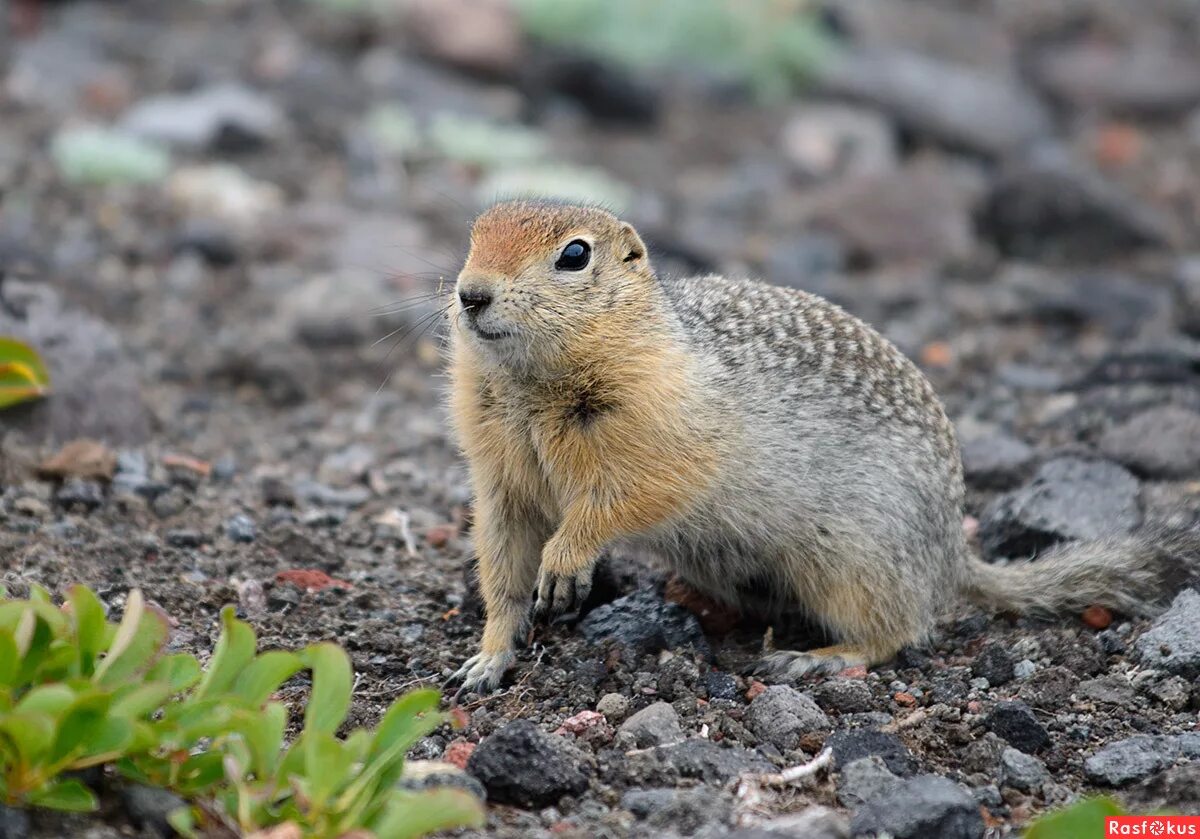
{"x":77,"y":691}
{"x":23,"y":375}
{"x":770,"y":45}
{"x":1081,"y":820}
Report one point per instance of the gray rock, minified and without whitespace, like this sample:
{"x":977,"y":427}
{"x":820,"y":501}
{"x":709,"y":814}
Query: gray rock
{"x":1015,"y":722}
{"x":996,"y":461}
{"x":780,"y":715}
{"x":654,"y":725}
{"x":684,"y":811}
{"x":78,"y":493}
{"x":1069,"y":498}
{"x":241,"y":528}
{"x":814,"y":822}
{"x":149,"y":807}
{"x":844,"y":696}
{"x":921,"y":807}
{"x":1111,"y":689}
{"x":1050,"y":208}
{"x":1173,"y":641}
{"x":830,"y":140}
{"x":994,"y":664}
{"x":712,"y":763}
{"x":646,"y":623}
{"x":1160,"y":443}
{"x":865,"y":779}
{"x":614,"y":706}
{"x":872,"y":215}
{"x":95,"y":387}
{"x":1129,"y":760}
{"x":225,"y":115}
{"x":849,"y":746}
{"x":523,"y":765}
{"x":1173,"y":692}
{"x":14,"y":823}
{"x":1145,"y":77}
{"x":960,"y":106}
{"x":1021,"y":771}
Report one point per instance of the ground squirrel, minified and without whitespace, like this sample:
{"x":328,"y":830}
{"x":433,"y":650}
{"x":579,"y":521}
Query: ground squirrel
{"x":757,"y":438}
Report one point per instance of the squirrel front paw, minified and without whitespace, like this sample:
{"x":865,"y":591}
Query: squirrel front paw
{"x":482,"y":672}
{"x":562,"y":596}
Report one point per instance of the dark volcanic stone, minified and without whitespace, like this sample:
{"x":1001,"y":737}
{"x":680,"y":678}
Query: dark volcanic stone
{"x":920,"y":808}
{"x":849,"y":746}
{"x":1050,"y":208}
{"x":1016,"y":723}
{"x":76,"y":492}
{"x":721,"y":686}
{"x":994,"y":664}
{"x":1069,"y":498}
{"x":646,"y":623}
{"x":523,"y":765}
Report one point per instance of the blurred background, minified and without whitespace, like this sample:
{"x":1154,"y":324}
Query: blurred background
{"x":225,"y":225}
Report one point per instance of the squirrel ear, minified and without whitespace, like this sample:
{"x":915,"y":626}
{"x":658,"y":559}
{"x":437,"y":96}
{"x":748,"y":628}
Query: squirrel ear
{"x":632,"y":248}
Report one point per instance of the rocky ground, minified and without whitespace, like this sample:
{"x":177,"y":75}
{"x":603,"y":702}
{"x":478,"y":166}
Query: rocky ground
{"x":1009,"y":191}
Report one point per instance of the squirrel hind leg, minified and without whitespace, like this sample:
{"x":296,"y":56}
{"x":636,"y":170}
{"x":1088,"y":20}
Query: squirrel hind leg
{"x":788,"y":665}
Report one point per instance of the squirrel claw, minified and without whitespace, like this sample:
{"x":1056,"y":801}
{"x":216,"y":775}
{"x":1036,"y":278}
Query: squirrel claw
{"x":481,"y":673}
{"x":561,"y":596}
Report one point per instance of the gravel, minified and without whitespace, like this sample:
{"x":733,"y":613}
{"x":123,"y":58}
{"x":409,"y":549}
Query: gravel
{"x":1016,"y":723}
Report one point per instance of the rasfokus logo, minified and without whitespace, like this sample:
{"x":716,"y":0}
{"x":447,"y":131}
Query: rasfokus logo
{"x":1152,"y":826}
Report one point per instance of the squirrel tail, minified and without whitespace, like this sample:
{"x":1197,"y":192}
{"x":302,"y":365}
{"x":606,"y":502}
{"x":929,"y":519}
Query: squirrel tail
{"x":1135,"y":574}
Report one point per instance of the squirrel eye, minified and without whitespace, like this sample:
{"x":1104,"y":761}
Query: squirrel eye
{"x":574,"y":256}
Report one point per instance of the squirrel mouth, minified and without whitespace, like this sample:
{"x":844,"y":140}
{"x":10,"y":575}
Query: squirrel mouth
{"x":488,"y":336}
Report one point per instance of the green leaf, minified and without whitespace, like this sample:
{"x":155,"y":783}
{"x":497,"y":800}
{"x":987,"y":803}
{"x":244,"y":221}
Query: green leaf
{"x":408,"y":815}
{"x":78,"y":723}
{"x":69,"y":795}
{"x":234,"y":650}
{"x":48,"y":699}
{"x":179,"y":671}
{"x":1084,"y":818}
{"x":265,"y":674}
{"x":107,"y":741}
{"x":410,"y":718}
{"x":23,"y":375}
{"x":264,"y":739}
{"x":30,"y":734}
{"x":332,"y":680}
{"x":10,"y":661}
{"x":327,"y":767}
{"x":140,"y":700}
{"x":183,"y":820}
{"x":140,"y":637}
{"x":91,"y":633}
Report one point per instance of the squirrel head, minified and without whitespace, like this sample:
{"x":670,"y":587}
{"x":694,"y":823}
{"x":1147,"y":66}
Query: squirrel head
{"x":545,"y":282}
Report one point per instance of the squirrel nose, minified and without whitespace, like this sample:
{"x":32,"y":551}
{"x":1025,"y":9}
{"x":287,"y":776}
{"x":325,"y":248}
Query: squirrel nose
{"x":474,"y":300}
